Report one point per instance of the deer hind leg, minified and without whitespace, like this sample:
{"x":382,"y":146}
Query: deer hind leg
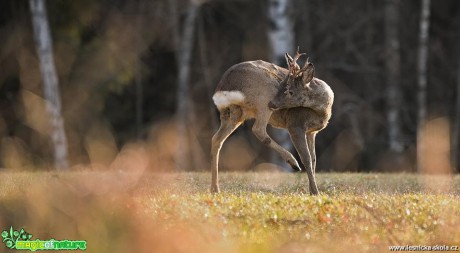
{"x":260,"y":131}
{"x":311,"y":146}
{"x":230,"y":119}
{"x":300,"y":143}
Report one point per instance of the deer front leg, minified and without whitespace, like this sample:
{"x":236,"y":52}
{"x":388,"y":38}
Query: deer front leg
{"x":260,"y":131}
{"x":300,"y":143}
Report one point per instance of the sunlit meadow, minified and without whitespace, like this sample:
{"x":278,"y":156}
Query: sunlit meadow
{"x":119,"y":211}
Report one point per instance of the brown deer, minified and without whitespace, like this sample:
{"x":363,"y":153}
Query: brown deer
{"x":284,"y":98}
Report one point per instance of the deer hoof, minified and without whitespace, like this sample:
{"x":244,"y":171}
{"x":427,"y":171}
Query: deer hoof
{"x":215,"y":189}
{"x":295,"y":167}
{"x":314,"y":191}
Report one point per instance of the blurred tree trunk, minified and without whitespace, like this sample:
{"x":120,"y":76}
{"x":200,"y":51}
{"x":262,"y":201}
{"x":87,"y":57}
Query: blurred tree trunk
{"x":138,"y":74}
{"x":207,"y":73}
{"x":303,"y":27}
{"x":281,"y":29}
{"x":184,"y":43}
{"x":456,"y":126}
{"x":422,"y":79}
{"x":139,"y":99}
{"x":281,"y":37}
{"x":393,"y":73}
{"x":50,"y":81}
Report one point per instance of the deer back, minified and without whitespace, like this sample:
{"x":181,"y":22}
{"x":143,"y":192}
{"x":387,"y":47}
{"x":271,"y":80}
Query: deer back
{"x":251,"y":84}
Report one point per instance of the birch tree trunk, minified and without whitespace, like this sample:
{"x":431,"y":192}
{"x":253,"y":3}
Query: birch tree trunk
{"x":50,"y":81}
{"x":281,"y":29}
{"x":184,"y":58}
{"x":393,"y":72}
{"x":422,"y":80}
{"x":281,"y":37}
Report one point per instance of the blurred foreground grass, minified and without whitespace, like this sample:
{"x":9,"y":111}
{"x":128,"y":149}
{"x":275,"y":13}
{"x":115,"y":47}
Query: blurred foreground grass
{"x":256,"y":212}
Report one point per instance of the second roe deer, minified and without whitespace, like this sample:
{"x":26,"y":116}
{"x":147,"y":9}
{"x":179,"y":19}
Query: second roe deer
{"x":291,"y":99}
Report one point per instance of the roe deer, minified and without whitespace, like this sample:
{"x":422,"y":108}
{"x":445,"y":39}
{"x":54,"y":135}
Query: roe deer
{"x":284,"y":98}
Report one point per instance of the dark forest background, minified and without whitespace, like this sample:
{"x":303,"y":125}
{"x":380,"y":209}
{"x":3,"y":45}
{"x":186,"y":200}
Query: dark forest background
{"x":118,"y":66}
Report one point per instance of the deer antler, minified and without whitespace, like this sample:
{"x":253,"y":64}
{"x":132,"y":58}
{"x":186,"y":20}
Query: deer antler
{"x":294,"y":69}
{"x":297,"y":55}
{"x":306,"y":65}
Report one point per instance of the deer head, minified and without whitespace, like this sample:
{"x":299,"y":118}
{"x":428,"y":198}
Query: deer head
{"x":293,"y":89}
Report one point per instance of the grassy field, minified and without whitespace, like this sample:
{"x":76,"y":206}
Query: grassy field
{"x":256,"y":212}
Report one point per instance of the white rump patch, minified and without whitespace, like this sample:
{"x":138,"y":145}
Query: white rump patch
{"x":224,"y":99}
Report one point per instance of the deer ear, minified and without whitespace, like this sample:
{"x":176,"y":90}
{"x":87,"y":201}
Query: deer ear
{"x":308,"y":73}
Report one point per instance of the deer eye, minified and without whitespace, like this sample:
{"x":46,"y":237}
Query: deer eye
{"x":289,"y":93}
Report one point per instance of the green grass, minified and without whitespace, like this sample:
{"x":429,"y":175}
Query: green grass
{"x":256,"y":212}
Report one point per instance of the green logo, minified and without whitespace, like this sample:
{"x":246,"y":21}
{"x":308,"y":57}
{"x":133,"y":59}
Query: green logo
{"x":21,"y":240}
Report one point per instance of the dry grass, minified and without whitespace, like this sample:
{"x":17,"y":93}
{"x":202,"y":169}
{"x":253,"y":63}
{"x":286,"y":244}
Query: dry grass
{"x":256,"y":212}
